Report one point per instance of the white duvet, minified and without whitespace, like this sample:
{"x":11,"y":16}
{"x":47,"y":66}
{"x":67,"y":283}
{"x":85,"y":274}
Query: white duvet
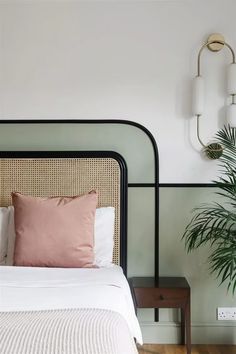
{"x":32,"y":289}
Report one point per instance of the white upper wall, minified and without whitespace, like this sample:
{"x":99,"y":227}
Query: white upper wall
{"x":119,"y":59}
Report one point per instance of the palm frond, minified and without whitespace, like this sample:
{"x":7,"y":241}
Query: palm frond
{"x":223,"y":263}
{"x":214,"y":223}
{"x":209,"y":224}
{"x":227,"y":137}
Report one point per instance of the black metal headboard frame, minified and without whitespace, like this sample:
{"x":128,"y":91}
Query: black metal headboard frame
{"x":89,"y":154}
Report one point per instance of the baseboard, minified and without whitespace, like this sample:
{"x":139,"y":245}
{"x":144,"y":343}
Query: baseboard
{"x":202,"y":333}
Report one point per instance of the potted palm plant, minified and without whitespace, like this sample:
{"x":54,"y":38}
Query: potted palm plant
{"x":215,"y":223}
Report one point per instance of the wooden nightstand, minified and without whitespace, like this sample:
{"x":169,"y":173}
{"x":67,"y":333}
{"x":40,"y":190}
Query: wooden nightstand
{"x":170,"y":292}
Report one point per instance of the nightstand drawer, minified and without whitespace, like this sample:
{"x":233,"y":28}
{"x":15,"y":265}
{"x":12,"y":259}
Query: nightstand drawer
{"x":157,"y":298}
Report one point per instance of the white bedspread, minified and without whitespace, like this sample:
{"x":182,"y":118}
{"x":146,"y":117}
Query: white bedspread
{"x":31,"y":288}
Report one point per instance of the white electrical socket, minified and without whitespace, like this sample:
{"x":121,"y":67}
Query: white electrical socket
{"x":226,"y":313}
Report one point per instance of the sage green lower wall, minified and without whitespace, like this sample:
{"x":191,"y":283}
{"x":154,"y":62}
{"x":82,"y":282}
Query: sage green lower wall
{"x":175,"y":207}
{"x":206,"y":294}
{"x":202,"y":333}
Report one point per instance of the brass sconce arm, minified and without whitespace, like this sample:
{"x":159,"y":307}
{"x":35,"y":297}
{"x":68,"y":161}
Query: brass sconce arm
{"x":207,"y":44}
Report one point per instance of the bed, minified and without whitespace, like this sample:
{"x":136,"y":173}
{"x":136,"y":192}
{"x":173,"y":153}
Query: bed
{"x":67,"y":310}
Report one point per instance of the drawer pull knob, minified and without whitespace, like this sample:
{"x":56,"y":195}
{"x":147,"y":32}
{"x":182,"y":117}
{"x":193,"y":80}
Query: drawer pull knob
{"x":161,"y":297}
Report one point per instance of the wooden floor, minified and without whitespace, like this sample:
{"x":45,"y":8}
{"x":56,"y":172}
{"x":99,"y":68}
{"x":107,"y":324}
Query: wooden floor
{"x":180,"y":349}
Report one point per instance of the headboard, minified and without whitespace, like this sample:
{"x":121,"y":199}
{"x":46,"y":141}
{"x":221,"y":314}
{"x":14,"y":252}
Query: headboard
{"x":69,"y":173}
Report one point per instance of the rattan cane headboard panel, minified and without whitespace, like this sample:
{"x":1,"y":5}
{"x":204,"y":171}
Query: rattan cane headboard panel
{"x":64,"y":176}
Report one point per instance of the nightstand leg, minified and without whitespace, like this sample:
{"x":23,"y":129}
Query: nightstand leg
{"x":188,"y":326}
{"x":182,"y":326}
{"x":156,"y":315}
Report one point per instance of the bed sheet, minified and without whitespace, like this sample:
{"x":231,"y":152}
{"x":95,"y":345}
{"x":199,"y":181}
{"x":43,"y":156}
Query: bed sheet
{"x":36,"y":289}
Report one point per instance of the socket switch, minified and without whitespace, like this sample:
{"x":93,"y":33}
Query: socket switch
{"x":226,"y":313}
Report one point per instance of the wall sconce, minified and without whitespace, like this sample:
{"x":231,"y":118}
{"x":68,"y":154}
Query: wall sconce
{"x":214,"y":43}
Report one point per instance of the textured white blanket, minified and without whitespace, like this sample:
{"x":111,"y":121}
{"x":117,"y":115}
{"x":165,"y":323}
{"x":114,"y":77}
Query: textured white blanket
{"x":66,"y":311}
{"x":39,"y":289}
{"x":79,"y":331}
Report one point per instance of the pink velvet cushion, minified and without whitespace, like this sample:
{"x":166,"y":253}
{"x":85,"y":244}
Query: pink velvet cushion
{"x":55,"y":231}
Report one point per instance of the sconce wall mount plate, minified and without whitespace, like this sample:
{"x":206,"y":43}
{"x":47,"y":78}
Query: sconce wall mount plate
{"x":216,"y":41}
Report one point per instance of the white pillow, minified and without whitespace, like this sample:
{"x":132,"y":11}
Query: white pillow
{"x":11,"y":235}
{"x":103,"y":236}
{"x":4,"y":219}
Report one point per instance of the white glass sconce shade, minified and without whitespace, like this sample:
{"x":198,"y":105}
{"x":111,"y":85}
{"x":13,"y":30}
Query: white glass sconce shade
{"x":198,"y":96}
{"x":231,"y":115}
{"x":231,"y":79}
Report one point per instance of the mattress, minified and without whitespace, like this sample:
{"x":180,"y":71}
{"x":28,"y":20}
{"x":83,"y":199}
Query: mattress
{"x":30,"y":291}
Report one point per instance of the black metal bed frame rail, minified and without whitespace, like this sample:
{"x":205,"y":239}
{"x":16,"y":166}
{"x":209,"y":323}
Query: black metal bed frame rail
{"x":156,"y":185}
